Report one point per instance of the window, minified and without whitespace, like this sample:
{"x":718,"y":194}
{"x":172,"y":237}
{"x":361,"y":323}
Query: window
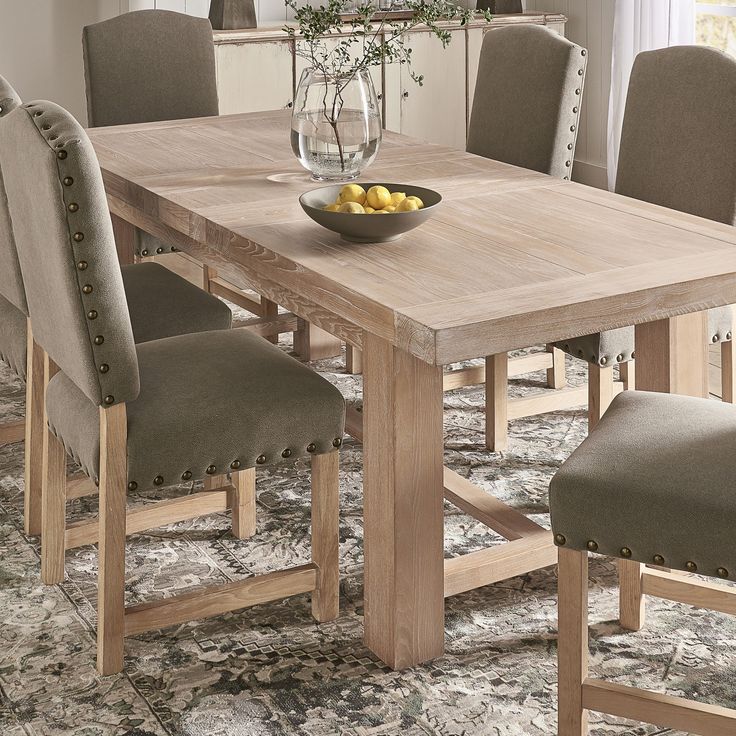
{"x":716,"y":25}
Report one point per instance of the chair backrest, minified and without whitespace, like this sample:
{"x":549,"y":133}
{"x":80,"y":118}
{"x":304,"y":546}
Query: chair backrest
{"x":149,"y":65}
{"x":527,"y":99}
{"x":66,"y":249}
{"x":11,"y":281}
{"x":678,"y":142}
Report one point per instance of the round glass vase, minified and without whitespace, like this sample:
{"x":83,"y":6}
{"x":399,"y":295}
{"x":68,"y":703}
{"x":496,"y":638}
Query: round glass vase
{"x":335,"y":124}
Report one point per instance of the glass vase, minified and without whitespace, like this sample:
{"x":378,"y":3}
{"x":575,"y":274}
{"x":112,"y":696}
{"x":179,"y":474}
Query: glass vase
{"x":335,"y":124}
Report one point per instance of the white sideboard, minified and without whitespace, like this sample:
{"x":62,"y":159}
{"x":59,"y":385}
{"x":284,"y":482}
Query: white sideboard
{"x":258,"y":69}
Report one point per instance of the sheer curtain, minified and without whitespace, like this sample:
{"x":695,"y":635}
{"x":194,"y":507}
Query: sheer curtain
{"x":641,"y":25}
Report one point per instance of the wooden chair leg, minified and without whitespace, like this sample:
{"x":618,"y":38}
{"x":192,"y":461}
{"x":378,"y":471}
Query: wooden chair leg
{"x":326,"y":535}
{"x":111,"y":576}
{"x":572,"y":642}
{"x":211,"y":482}
{"x":728,"y":366}
{"x":627,"y":372}
{"x":556,"y":377}
{"x":632,"y":607}
{"x":600,"y":392}
{"x":53,"y":496}
{"x":244,"y":503}
{"x":270,"y":310}
{"x":497,"y":402}
{"x":353,"y":360}
{"x":34,"y":437}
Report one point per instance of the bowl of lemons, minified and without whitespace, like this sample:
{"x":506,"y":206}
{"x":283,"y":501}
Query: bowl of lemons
{"x":370,"y":213}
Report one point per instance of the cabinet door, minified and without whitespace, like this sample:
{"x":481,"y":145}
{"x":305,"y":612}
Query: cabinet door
{"x":254,"y":76}
{"x":436,"y":111}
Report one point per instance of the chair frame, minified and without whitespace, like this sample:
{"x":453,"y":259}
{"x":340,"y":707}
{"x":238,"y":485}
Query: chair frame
{"x":109,"y":530}
{"x":578,"y":693}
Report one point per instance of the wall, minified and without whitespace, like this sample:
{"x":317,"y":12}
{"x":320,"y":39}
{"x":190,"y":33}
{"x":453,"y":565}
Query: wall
{"x":268,"y":12}
{"x":590,"y":24}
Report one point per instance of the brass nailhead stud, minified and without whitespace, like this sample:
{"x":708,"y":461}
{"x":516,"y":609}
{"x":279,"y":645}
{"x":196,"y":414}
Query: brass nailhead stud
{"x":603,"y":360}
{"x":82,"y":265}
{"x":132,"y":485}
{"x":575,"y":109}
{"x":567,"y":163}
{"x":261,"y":459}
{"x":92,"y":314}
{"x":99,"y":340}
{"x":286,"y":453}
{"x":109,"y":399}
{"x":186,"y":475}
{"x":572,"y":128}
{"x":592,"y":545}
{"x":722,"y":572}
{"x":560,"y":539}
{"x":311,"y":447}
{"x":68,"y":181}
{"x":583,"y":52}
{"x":566,"y":178}
{"x":728,"y":336}
{"x":61,"y":154}
{"x":37,"y":114}
{"x":144,"y":252}
{"x":625,"y":552}
{"x":73,"y":207}
{"x":580,"y":72}
{"x":658,"y":560}
{"x":235,"y":464}
{"x":78,"y":237}
{"x":714,"y":338}
{"x":577,"y":91}
{"x":337,"y":442}
{"x":211,"y":470}
{"x":159,"y":250}
{"x":569,"y":146}
{"x":158,"y":480}
{"x":104,"y":368}
{"x":53,"y":137}
{"x":633,"y":355}
{"x":46,"y":127}
{"x":691,"y":566}
{"x":619,"y":358}
{"x":87,"y":289}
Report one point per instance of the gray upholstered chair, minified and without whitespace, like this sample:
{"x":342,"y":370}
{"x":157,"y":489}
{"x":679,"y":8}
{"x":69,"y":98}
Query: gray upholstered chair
{"x":674,"y":95}
{"x":652,"y":485}
{"x":170,"y":410}
{"x":525,"y":112}
{"x":162,"y":304}
{"x":152,"y":65}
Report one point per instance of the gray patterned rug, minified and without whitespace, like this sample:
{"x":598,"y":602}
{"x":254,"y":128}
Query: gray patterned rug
{"x":272,"y":670}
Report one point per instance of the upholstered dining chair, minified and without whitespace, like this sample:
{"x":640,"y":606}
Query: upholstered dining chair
{"x":663,"y":161}
{"x":162,"y":304}
{"x":152,"y":65}
{"x":525,"y":112}
{"x":652,"y":485}
{"x":178,"y":408}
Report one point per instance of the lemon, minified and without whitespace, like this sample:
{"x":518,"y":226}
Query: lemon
{"x":419,"y":202}
{"x":369,"y":210}
{"x":352,"y":208}
{"x":378,"y":197}
{"x":331,"y":208}
{"x":397,"y":198}
{"x":380,"y":212}
{"x":390,"y":208}
{"x":352,"y":193}
{"x":408,"y":205}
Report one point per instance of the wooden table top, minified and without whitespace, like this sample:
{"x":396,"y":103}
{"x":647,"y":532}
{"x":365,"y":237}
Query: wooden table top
{"x":512,"y":258}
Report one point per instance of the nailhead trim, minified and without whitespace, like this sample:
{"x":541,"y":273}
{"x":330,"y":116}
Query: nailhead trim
{"x":592,"y":545}
{"x":99,"y":340}
{"x":82,"y":265}
{"x":104,"y":368}
{"x":690,"y":566}
{"x":87,"y":289}
{"x":211,"y":470}
{"x":186,"y":475}
{"x":92,"y":314}
{"x":722,"y":572}
{"x":311,"y":447}
{"x":132,"y":486}
{"x":658,"y":560}
{"x":261,"y":459}
{"x":286,"y":453}
{"x":158,"y":480}
{"x":109,"y":399}
{"x":337,"y":442}
{"x":235,"y":464}
{"x":625,"y":552}
{"x":560,"y":539}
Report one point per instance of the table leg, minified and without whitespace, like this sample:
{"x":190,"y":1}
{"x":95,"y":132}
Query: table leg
{"x":403,"y":489}
{"x":313,"y":343}
{"x":671,"y":357}
{"x":124,"y":240}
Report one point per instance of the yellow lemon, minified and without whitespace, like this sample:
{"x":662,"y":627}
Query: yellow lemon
{"x":378,"y":197}
{"x":408,"y":205}
{"x":331,"y":208}
{"x":390,"y":208}
{"x":397,"y":198}
{"x":369,"y":210}
{"x":380,"y":212}
{"x":352,"y":208}
{"x":419,"y":202}
{"x":352,"y":193}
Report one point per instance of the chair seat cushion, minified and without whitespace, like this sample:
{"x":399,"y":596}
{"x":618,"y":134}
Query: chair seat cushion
{"x":604,"y":348}
{"x":163,"y":304}
{"x":656,"y":479}
{"x":13,"y":328}
{"x":207,"y":401}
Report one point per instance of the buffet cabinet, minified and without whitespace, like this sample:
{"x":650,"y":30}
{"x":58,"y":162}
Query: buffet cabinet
{"x":258,"y":69}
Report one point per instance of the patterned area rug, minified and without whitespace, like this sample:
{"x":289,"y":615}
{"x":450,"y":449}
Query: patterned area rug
{"x":272,"y":670}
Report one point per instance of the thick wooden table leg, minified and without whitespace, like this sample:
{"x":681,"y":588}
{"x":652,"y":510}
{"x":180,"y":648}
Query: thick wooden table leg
{"x":111,"y":574}
{"x":556,"y":376}
{"x":34,"y":429}
{"x":353,"y":360}
{"x":671,"y":357}
{"x":124,"y":240}
{"x":403,"y":490}
{"x":313,"y":343}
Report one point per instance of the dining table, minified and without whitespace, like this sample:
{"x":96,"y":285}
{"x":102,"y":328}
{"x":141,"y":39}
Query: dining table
{"x":511,"y":258}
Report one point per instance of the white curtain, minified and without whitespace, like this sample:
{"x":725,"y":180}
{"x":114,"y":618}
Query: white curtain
{"x":641,"y":25}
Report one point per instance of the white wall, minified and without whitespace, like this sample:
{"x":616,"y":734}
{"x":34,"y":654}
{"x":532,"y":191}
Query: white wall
{"x":268,"y":12}
{"x":590,"y":24}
